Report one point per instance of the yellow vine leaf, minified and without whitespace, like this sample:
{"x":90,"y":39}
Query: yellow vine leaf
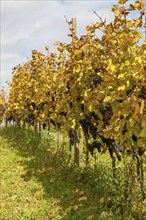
{"x":99,"y":24}
{"x":77,"y":68}
{"x":143,"y":132}
{"x":121,"y":75}
{"x":107,"y":99}
{"x":142,"y":107}
{"x":122,"y":2}
{"x":121,"y":88}
{"x":127,"y":63}
{"x":128,"y":83}
{"x":130,"y":23}
{"x":139,"y":4}
{"x":137,"y":109}
{"x":112,"y":67}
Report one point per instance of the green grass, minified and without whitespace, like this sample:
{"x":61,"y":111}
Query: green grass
{"x":37,"y":183}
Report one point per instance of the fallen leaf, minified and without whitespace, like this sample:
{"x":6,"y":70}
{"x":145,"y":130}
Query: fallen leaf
{"x":104,"y":214}
{"x":90,"y":217}
{"x":37,"y":194}
{"x":41,"y":171}
{"x":58,"y":209}
{"x":16,"y":209}
{"x":55,"y":203}
{"x":92,"y":208}
{"x":83,"y":198}
{"x":50,"y":217}
{"x":73,"y":208}
{"x":21,"y":170}
{"x":82,"y":193}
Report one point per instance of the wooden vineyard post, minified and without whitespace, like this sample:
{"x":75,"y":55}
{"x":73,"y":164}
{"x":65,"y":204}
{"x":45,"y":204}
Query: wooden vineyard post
{"x":58,"y":137}
{"x":35,"y":126}
{"x":76,"y":144}
{"x":74,"y":24}
{"x":76,"y":132}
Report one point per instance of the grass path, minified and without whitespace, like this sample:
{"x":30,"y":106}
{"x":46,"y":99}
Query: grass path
{"x":38,"y":184}
{"x":21,"y":197}
{"x":33,"y":189}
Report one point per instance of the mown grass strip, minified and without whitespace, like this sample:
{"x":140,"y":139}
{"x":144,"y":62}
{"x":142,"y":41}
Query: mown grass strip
{"x":33,"y":188}
{"x":38,"y":184}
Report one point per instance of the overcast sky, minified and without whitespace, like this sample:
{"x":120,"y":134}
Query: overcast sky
{"x":28,"y":25}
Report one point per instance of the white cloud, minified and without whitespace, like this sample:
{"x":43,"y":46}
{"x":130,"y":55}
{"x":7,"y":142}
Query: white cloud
{"x":27,"y":25}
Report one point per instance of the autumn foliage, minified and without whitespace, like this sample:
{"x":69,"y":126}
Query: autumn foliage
{"x":3,"y":104}
{"x":88,"y":74}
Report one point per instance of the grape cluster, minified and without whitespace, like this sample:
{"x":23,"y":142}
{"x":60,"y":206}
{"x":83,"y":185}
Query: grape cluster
{"x":142,"y":93}
{"x":95,"y":145}
{"x":90,"y":131}
{"x":30,"y":119}
{"x":11,"y":119}
{"x":37,"y":107}
{"x":106,"y":112}
{"x":97,"y":80}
